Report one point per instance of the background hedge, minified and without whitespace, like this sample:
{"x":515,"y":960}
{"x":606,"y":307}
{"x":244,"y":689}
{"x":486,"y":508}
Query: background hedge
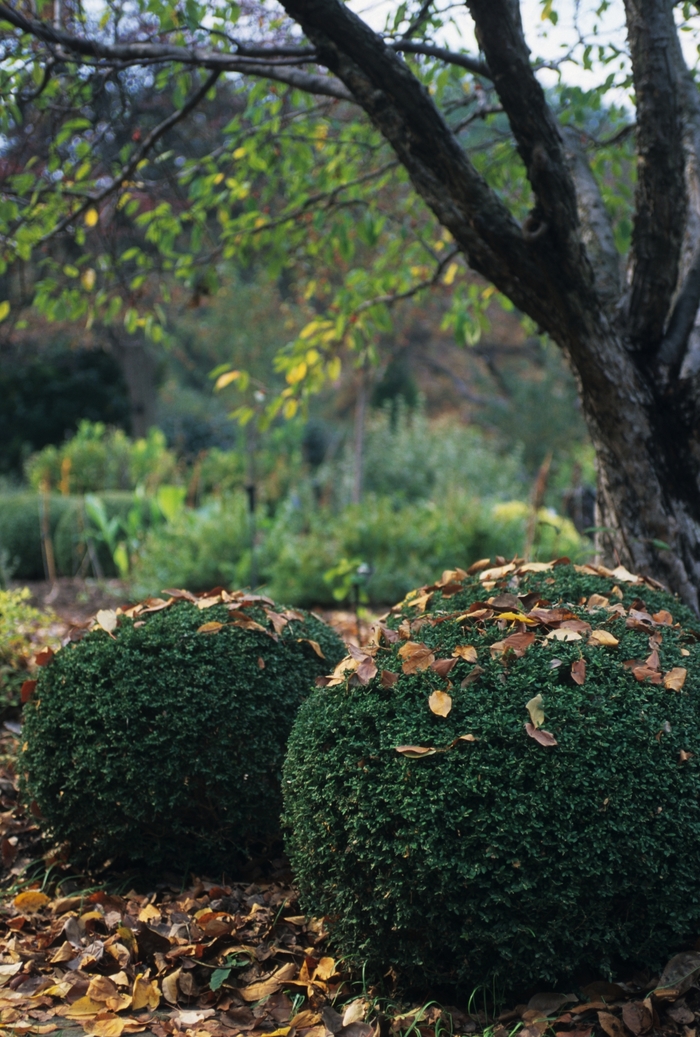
{"x":501,"y":859}
{"x":164,"y":743}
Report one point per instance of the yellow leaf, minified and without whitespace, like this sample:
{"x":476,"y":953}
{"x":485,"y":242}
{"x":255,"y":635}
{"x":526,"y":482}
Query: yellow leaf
{"x":30,"y":901}
{"x":333,"y":369}
{"x":239,"y":153}
{"x":4,"y":309}
{"x":297,"y":373}
{"x":450,"y":273}
{"x":88,"y":279}
{"x":107,"y":1026}
{"x":218,"y":178}
{"x":268,"y":986}
{"x":565,"y":635}
{"x":415,"y":752}
{"x":290,"y":408}
{"x":107,"y":619}
{"x":517,"y":616}
{"x":325,"y":969}
{"x":149,"y":913}
{"x":440,"y":703}
{"x":84,"y":1006}
{"x":225,"y":379}
{"x":603,"y":637}
{"x":467,"y":652}
{"x":213,"y":627}
{"x":169,"y":984}
{"x":675,"y":678}
{"x":145,"y":994}
{"x":91,"y":217}
{"x":467,"y":738}
{"x":534,"y":708}
{"x":101,"y":988}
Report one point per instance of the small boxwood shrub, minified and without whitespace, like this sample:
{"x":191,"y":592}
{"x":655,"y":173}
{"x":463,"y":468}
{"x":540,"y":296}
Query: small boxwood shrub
{"x":442,"y":836}
{"x":162,"y":741}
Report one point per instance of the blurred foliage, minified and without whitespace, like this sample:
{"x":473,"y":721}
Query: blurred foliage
{"x":46,"y":396}
{"x":23,"y":630}
{"x":100,"y":458}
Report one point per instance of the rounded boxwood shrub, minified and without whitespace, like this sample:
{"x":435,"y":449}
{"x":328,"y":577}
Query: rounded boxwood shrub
{"x":162,"y":740}
{"x":513,"y":795}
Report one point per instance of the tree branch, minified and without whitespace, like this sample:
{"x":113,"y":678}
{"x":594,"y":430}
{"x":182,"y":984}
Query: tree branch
{"x":197,"y":57}
{"x":660,"y":197}
{"x":391,"y":298}
{"x":451,"y":57}
{"x":500,"y":34}
{"x":403,"y":111}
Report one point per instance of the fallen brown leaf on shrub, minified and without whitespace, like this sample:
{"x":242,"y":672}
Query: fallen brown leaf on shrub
{"x":415,"y":752}
{"x":416,"y":657}
{"x":578,"y":671}
{"x":543,"y":737}
{"x":467,"y":652}
{"x":675,"y":678}
{"x":440,"y":703}
{"x":603,"y":638}
{"x":611,"y":1024}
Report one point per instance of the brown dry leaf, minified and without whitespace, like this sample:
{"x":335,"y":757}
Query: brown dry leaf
{"x":519,"y":643}
{"x":637,"y":1017}
{"x":549,"y":1002}
{"x":101,"y":988}
{"x":265,"y":987}
{"x":279,"y":622}
{"x":578,"y":671}
{"x":684,"y":756}
{"x":366,"y":670}
{"x":355,"y":1012}
{"x":476,"y":567}
{"x":303,"y":1020}
{"x":467,"y":738}
{"x":440,"y":703}
{"x":467,"y":652}
{"x":675,"y":678}
{"x":26,"y":691}
{"x":472,"y":676}
{"x":44,"y":657}
{"x":536,"y":711}
{"x":30,"y":901}
{"x":679,"y":975}
{"x":443,"y":666}
{"x":169,"y":986}
{"x":603,"y":638}
{"x":212,"y":627}
{"x":543,"y":737}
{"x":416,"y":656}
{"x":415,"y":752}
{"x":389,"y":678}
{"x":597,"y":601}
{"x":611,"y":1024}
{"x":106,"y":1026}
{"x":66,"y":952}
{"x":680,"y":1013}
{"x":487,"y":575}
{"x":315,"y":645}
{"x":663,"y":617}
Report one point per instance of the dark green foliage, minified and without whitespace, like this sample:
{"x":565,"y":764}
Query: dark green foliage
{"x":501,"y":858}
{"x":46,"y":397}
{"x":164,"y":745}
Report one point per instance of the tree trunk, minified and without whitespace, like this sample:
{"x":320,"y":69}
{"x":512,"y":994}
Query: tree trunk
{"x":648,"y":461}
{"x":139,"y":368}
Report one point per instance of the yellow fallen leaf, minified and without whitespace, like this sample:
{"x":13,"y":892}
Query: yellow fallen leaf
{"x":303,"y":1020}
{"x":415,"y":752}
{"x":265,"y":987}
{"x":30,"y":901}
{"x":625,"y":576}
{"x":106,"y":1026}
{"x":355,"y":1011}
{"x":563,"y":635}
{"x":315,"y":645}
{"x":513,"y":616}
{"x":600,"y":638}
{"x":107,"y":619}
{"x":325,"y":969}
{"x":212,"y":627}
{"x":675,"y":678}
{"x":169,"y":985}
{"x":467,"y":738}
{"x":534,"y":708}
{"x":101,"y":988}
{"x":149,"y":913}
{"x":84,"y":1006}
{"x":66,"y":952}
{"x":145,"y":993}
{"x":467,"y":652}
{"x":440,"y":703}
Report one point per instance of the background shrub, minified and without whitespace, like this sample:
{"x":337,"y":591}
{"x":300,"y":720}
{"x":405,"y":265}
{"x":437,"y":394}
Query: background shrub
{"x":23,"y":630}
{"x":164,"y":743}
{"x":500,"y":858}
{"x":20,"y":531}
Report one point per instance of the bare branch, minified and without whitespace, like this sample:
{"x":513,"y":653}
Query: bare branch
{"x":661,"y":199}
{"x":680,"y":325}
{"x":451,"y":57}
{"x":197,"y":57}
{"x":140,"y":153}
{"x":391,"y":298}
{"x":500,"y":34}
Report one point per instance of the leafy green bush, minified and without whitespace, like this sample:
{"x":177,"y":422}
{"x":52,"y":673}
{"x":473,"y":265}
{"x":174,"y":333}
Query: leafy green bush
{"x":23,"y":629}
{"x":99,"y":458}
{"x":74,"y":528}
{"x":164,"y":742}
{"x":20,"y":531}
{"x":443,"y":835}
